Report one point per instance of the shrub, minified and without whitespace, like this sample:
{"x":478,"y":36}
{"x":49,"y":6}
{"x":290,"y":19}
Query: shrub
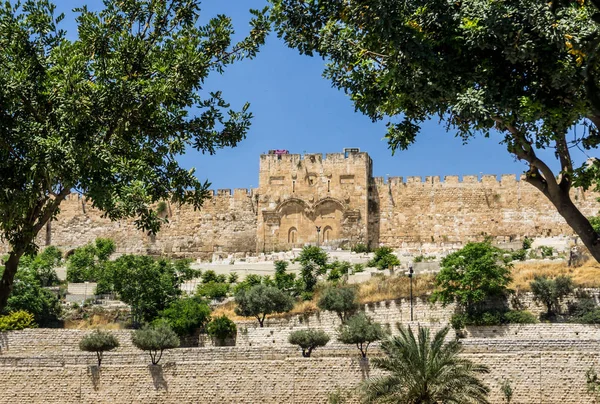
{"x":520,"y":317}
{"x":358,"y":268}
{"x":209,"y":276}
{"x":519,"y":255}
{"x":233,"y":278}
{"x":527,"y":243}
{"x":337,"y":269}
{"x":186,"y":315}
{"x":261,"y":300}
{"x":547,"y":251}
{"x":87,"y":262}
{"x":308,"y":340}
{"x":384,"y":259}
{"x":341,"y":300}
{"x":551,"y":291}
{"x":221,"y":328}
{"x":284,"y":280}
{"x":360,"y":248}
{"x":213,"y":290}
{"x":98,"y":342}
{"x":361,"y":331}
{"x":17,"y":320}
{"x":313,"y":262}
{"x":472,"y":275}
{"x":248,"y":282}
{"x":155,"y":339}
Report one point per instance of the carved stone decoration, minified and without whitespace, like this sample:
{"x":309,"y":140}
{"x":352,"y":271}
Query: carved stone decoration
{"x":271,"y":218}
{"x":351,"y":216}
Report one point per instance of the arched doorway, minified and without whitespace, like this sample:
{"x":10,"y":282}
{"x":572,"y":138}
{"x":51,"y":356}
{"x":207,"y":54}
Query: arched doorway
{"x":327,"y":234}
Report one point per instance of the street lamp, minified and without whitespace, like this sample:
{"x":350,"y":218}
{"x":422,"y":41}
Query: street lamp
{"x":318,"y":231}
{"x":410,"y":276}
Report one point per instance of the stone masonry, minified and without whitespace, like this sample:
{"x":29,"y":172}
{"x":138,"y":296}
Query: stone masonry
{"x":337,"y":194}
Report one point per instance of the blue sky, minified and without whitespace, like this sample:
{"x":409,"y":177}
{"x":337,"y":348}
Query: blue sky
{"x":296,"y":109}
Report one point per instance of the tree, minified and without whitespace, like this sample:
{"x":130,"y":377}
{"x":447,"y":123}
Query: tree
{"x":148,"y":285}
{"x":284,"y":280}
{"x":44,"y":264}
{"x":213,"y":290}
{"x":155,"y":339}
{"x":221,"y":328}
{"x":107,"y":113}
{"x":341,"y":300}
{"x":308,"y":340}
{"x":99,"y":342}
{"x":260,"y":300}
{"x":384,"y":259}
{"x":524,"y":73}
{"x":17,"y":320}
{"x":29,"y":295}
{"x":551,"y":291}
{"x":313,"y":261}
{"x":361,"y":331}
{"x":472,"y":275}
{"x":87,"y":262}
{"x":421,"y":370}
{"x":186,"y":315}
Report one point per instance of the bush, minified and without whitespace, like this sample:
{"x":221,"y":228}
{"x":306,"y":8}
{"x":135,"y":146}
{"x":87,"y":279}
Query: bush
{"x":155,"y":339}
{"x":527,"y":243}
{"x":248,"y":282}
{"x":519,"y":255}
{"x":360,"y":248}
{"x":520,"y":317}
{"x":17,"y":320}
{"x":233,"y":278}
{"x":551,"y":291}
{"x":87,"y":262}
{"x":547,"y":251}
{"x":213,"y":290}
{"x":98,"y":342}
{"x":261,"y":300}
{"x":358,"y":268}
{"x":284,"y":280}
{"x":384,"y":259}
{"x":221,"y":328}
{"x":585,"y":311}
{"x":341,"y":300}
{"x":337,"y":269}
{"x":472,"y":275}
{"x":313,"y":262}
{"x":308,"y":340}
{"x":209,"y":276}
{"x":186,"y":315}
{"x":361,"y":331}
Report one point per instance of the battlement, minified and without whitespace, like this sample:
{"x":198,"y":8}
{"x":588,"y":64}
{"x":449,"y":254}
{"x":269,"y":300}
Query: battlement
{"x":238,"y":193}
{"x":314,"y":157}
{"x":486,"y":179}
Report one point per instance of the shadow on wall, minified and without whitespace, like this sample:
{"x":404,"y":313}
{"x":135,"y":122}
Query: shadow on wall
{"x":94,"y":372}
{"x":365,"y":368}
{"x":3,"y":342}
{"x":158,"y":377}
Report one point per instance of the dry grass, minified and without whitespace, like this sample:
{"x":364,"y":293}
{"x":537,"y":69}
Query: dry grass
{"x":585,"y":276}
{"x":381,"y":288}
{"x":95,"y":321}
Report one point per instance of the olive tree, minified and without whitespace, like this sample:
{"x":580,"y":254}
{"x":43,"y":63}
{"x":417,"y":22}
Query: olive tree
{"x":261,"y":300}
{"x":308,"y":340}
{"x":106,"y":112}
{"x":522,"y":73}
{"x":361,"y":331}
{"x":99,"y":342}
{"x":155,"y":339}
{"x":551,"y":291}
{"x":341,"y":300}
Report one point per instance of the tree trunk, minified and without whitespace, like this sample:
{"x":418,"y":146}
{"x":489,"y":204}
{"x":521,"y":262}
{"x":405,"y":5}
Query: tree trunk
{"x":10,"y":269}
{"x":578,"y":222}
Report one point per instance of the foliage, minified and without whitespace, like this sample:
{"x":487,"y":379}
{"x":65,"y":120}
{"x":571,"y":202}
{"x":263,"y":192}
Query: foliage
{"x":221,"y":328}
{"x":527,"y":242}
{"x":442,"y":376}
{"x":87,"y":262}
{"x":341,"y":300}
{"x":17,"y":320}
{"x":361,"y":331}
{"x":471,"y":275}
{"x":592,"y":383}
{"x":29,"y":295}
{"x":186,"y":315}
{"x":213,"y":290}
{"x":506,"y":390}
{"x":357,"y":268}
{"x":313,"y":262}
{"x":261,"y":300}
{"x":99,"y":342}
{"x":547,"y":251}
{"x":308,"y":340}
{"x":107,"y":111}
{"x":384,"y":259}
{"x":148,"y":285}
{"x":585,"y":311}
{"x":44,"y":264}
{"x":155,"y":339}
{"x":284,"y":280}
{"x":551,"y":291}
{"x":337,"y":269}
{"x":360,"y":248}
{"x":519,"y":255}
{"x":423,"y":258}
{"x":491,"y":317}
{"x":533,"y":73}
{"x":233,"y":278}
{"x":248,"y":282}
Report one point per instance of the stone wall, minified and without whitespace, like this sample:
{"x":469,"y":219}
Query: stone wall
{"x":536,"y":377}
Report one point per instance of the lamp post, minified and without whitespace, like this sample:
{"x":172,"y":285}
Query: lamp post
{"x":318,"y":231}
{"x":410,"y":276}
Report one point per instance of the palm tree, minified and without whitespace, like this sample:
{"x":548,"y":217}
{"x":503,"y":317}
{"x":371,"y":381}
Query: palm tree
{"x":421,"y":371}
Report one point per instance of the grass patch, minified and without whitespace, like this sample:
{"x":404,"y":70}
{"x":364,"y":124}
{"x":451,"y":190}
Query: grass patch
{"x":586,"y":276}
{"x":380,"y":288}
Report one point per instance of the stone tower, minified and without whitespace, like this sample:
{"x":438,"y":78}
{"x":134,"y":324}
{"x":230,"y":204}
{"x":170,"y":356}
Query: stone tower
{"x":297,"y":194}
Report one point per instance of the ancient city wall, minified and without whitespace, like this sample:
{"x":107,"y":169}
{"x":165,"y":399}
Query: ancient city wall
{"x":225,"y":224}
{"x":425,"y":211}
